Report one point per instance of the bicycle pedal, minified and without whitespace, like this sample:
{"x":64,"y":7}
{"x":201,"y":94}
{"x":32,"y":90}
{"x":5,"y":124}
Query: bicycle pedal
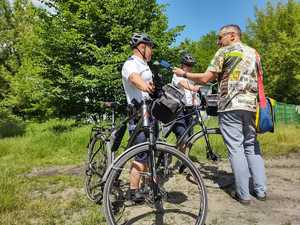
{"x":88,"y":172}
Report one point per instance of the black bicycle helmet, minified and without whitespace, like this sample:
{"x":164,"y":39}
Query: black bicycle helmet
{"x":188,"y":60}
{"x":138,"y":38}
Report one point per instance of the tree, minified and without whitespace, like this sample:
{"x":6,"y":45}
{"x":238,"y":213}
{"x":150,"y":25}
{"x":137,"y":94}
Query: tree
{"x":85,"y":43}
{"x":275,"y":33}
{"x":203,"y":50}
{"x":25,"y":91}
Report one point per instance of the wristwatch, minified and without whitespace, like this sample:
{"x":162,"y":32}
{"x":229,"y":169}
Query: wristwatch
{"x":184,"y":75}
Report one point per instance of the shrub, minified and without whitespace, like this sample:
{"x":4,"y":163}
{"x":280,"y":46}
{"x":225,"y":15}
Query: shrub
{"x":10,"y":125}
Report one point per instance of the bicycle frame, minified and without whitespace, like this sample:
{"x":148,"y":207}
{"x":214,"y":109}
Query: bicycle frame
{"x":144,"y":124}
{"x":204,"y":131}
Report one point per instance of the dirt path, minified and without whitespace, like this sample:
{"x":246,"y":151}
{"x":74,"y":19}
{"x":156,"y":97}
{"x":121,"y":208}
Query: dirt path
{"x":281,"y":208}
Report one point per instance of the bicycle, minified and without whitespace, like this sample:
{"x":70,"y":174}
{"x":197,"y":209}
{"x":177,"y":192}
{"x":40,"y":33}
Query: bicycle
{"x":105,"y":140}
{"x":165,"y":199}
{"x":205,"y":133}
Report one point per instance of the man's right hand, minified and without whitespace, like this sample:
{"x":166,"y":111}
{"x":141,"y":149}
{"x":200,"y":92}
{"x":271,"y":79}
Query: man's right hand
{"x":148,"y":87}
{"x":140,"y":84}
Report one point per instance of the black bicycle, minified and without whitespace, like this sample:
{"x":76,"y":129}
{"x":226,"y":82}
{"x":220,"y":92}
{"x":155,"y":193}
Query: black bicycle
{"x":171,"y":197}
{"x":105,"y":140}
{"x":206,"y":137}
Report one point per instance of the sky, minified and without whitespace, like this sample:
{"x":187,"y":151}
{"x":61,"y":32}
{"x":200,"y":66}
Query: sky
{"x":203,"y":16}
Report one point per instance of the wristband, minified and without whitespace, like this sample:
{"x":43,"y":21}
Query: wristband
{"x":184,"y":75}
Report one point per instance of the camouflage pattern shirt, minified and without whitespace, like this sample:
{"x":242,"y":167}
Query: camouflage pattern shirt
{"x":237,"y":75}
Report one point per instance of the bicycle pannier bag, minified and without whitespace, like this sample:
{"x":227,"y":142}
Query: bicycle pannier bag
{"x":168,"y":105}
{"x":212,"y":104}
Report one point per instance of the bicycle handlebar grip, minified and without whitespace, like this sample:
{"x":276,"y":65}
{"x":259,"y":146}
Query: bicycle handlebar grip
{"x":111,"y":104}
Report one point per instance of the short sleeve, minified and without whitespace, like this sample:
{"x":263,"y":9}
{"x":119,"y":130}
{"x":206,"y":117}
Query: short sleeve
{"x":216,"y":64}
{"x":129,"y":68}
{"x":176,"y":80}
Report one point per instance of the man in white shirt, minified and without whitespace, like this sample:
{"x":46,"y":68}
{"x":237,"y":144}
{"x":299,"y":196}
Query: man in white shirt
{"x":138,"y":84}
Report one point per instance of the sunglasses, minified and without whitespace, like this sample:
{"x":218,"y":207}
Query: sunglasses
{"x":220,"y":37}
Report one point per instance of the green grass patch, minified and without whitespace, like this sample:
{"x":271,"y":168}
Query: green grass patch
{"x":32,"y":191}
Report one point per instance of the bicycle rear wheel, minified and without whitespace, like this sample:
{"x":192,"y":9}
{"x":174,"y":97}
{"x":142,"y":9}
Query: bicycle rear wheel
{"x":181,"y":197}
{"x":95,"y":168}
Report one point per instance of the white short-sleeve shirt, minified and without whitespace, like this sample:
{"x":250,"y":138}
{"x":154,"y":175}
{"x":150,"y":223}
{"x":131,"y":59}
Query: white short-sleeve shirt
{"x":190,"y":97}
{"x":135,"y":65}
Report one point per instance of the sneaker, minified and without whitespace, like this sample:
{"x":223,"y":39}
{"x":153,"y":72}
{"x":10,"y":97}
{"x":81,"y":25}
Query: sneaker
{"x":136,"y":196}
{"x":261,"y":198}
{"x":235,"y":196}
{"x":181,"y":169}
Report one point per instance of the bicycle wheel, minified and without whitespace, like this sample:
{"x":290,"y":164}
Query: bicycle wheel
{"x":199,"y":148}
{"x":95,"y":168}
{"x":181,"y":197}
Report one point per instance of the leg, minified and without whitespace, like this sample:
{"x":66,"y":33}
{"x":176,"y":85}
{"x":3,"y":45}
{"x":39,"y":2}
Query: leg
{"x":178,"y":129}
{"x":188,"y":122}
{"x":253,"y":155}
{"x":232,"y":130}
{"x":138,"y":165}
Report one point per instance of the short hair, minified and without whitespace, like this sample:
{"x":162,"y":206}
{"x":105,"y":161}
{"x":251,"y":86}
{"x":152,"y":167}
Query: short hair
{"x":235,"y":27}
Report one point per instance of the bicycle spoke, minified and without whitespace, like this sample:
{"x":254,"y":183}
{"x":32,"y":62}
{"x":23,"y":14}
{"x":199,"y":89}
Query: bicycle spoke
{"x":177,"y":197}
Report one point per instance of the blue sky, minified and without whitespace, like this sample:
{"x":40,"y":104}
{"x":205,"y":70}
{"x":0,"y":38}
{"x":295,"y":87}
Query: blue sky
{"x":202,"y":16}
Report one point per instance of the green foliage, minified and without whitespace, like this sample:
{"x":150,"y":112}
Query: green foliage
{"x":23,"y":89}
{"x":86,"y":42}
{"x":10,"y":125}
{"x":203,"y":50}
{"x":51,"y":62}
{"x":275,"y":33}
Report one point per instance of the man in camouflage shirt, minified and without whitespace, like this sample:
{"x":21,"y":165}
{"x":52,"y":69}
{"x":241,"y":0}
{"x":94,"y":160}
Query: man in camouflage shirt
{"x":235,"y":67}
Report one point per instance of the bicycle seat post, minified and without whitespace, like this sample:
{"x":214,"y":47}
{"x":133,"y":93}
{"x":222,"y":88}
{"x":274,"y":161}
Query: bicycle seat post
{"x":113,"y":117}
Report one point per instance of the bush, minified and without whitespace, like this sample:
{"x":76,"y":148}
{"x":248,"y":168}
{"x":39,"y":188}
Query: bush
{"x":10,"y":125}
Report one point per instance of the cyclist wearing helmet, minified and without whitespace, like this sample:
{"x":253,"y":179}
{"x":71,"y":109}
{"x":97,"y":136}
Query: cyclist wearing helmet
{"x":138,"y":84}
{"x":188,"y":86}
{"x":190,"y":95}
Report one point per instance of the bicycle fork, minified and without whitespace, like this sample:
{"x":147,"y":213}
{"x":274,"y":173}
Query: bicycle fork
{"x":209,"y":151}
{"x":154,"y":182}
{"x":149,"y":132}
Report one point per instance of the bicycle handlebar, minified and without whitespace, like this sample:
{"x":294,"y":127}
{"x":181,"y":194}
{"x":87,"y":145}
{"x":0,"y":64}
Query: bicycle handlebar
{"x":113,"y":105}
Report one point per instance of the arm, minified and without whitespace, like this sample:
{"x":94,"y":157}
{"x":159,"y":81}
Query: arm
{"x":215,"y":67}
{"x":186,"y":85}
{"x":201,"y":78}
{"x":140,"y":84}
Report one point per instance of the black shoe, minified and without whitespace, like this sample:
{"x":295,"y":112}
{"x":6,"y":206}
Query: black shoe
{"x":261,"y":198}
{"x":181,"y":169}
{"x":136,"y":196}
{"x":235,"y":196}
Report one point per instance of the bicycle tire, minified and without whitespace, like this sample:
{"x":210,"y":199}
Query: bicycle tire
{"x":198,"y":137}
{"x":95,"y":168}
{"x":116,"y":172}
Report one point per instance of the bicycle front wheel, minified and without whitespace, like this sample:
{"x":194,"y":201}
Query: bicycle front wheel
{"x":180,"y":196}
{"x":206,"y":145}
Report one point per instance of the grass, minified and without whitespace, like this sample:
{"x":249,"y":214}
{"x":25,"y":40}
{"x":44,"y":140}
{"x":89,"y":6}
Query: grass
{"x":28,"y":198}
